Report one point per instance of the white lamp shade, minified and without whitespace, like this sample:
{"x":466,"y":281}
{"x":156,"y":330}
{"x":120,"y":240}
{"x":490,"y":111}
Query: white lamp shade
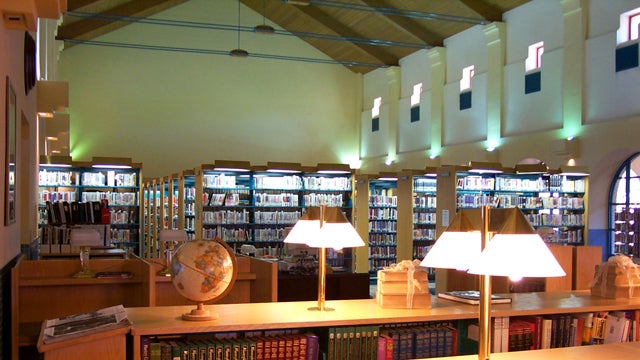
{"x":517,"y":255}
{"x":454,"y":250}
{"x":336,"y":231}
{"x":170,"y":235}
{"x":85,"y":237}
{"x":336,"y":236}
{"x":303,"y":232}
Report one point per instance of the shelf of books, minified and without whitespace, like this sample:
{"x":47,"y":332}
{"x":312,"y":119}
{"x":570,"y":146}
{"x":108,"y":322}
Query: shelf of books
{"x":84,"y":194}
{"x":416,"y":231}
{"x":554,"y":203}
{"x":361,"y":329}
{"x":186,"y":202}
{"x":383,"y":222}
{"x":331,"y":185}
{"x":257,"y":206}
{"x":172,"y":201}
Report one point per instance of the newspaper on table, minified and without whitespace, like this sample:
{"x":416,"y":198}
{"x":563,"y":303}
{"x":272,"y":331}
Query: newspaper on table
{"x":78,"y":325}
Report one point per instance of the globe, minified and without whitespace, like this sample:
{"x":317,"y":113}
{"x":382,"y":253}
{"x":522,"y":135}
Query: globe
{"x":202,"y":271}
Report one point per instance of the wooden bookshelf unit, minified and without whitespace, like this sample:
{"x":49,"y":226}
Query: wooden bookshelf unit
{"x":149,"y":321}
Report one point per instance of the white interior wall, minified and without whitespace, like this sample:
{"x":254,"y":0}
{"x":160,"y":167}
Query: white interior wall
{"x":175,"y":110}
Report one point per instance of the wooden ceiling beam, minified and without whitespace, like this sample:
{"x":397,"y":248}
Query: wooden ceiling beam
{"x":483,"y":9}
{"x":90,"y":28}
{"x":409,"y":26}
{"x":322,"y":19}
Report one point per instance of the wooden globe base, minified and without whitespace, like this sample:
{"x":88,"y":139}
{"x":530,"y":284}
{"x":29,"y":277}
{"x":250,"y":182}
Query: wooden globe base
{"x":200,"y":314}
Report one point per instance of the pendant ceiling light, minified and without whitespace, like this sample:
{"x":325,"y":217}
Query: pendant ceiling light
{"x":264,"y":28}
{"x":239,"y":52}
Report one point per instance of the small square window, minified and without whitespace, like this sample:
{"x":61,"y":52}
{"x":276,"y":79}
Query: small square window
{"x":532,"y":82}
{"x":465,"y":100}
{"x":627,"y":57}
{"x":375,"y":124}
{"x":415,"y":113}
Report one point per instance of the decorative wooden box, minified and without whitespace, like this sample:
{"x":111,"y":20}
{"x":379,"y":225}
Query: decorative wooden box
{"x":397,"y":290}
{"x":617,"y":280}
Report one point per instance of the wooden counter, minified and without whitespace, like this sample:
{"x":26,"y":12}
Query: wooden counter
{"x":293,"y":315}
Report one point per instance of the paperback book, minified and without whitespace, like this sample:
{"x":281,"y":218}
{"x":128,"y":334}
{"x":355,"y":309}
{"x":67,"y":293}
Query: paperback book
{"x":472,"y":297}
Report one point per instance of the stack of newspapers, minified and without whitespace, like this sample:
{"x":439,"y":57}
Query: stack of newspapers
{"x":78,"y":325}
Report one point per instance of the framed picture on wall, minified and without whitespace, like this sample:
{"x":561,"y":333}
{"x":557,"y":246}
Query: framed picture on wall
{"x":10,"y":156}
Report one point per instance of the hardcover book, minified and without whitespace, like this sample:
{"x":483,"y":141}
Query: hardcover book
{"x":472,"y":297}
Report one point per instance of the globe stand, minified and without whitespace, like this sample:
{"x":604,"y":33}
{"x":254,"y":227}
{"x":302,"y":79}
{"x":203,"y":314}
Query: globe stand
{"x":200,"y":314}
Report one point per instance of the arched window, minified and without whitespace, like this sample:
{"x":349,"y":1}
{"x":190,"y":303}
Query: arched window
{"x":624,"y":209}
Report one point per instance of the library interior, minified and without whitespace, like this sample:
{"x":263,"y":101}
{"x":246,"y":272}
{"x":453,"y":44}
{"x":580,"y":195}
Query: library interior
{"x":316,"y":179}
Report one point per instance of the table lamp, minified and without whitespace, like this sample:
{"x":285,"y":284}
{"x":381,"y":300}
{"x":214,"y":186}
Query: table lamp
{"x":323,"y":227}
{"x":84,"y":238}
{"x":169,"y":237}
{"x":503,"y":244}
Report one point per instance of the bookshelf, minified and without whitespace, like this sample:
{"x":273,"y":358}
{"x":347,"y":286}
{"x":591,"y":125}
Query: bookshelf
{"x":65,"y":196}
{"x":223,"y":202}
{"x":256,"y":205}
{"x":554,"y":203}
{"x":172,"y":201}
{"x":416,"y":231}
{"x":331,"y":185}
{"x":383,"y":222}
{"x":186,"y":202}
{"x":283,"y":316}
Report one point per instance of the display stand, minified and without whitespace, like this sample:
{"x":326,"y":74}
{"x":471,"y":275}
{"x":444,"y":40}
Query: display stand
{"x":106,"y":345}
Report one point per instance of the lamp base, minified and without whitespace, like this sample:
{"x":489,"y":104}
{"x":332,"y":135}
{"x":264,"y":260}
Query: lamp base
{"x":164,"y":272}
{"x":200,"y":314}
{"x":83,"y":274}
{"x":317,"y":308}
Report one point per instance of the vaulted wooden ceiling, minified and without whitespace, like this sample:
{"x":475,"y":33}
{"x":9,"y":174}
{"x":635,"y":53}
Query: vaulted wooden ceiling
{"x":362,"y":34}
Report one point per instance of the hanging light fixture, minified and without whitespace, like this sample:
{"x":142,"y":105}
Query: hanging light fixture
{"x":239,"y":52}
{"x":264,"y":28}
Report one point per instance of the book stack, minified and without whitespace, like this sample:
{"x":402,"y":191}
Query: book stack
{"x":399,"y":288}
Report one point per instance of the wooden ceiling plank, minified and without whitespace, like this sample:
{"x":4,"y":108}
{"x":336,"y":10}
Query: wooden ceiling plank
{"x":73,"y":5}
{"x":411,"y":27}
{"x":91,"y":28}
{"x":483,"y":9}
{"x":318,"y":19}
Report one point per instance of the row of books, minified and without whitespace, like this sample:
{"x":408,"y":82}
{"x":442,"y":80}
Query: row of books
{"x":561,"y":330}
{"x":63,"y":212}
{"x":424,"y":340}
{"x":260,"y":345}
{"x":55,"y":239}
